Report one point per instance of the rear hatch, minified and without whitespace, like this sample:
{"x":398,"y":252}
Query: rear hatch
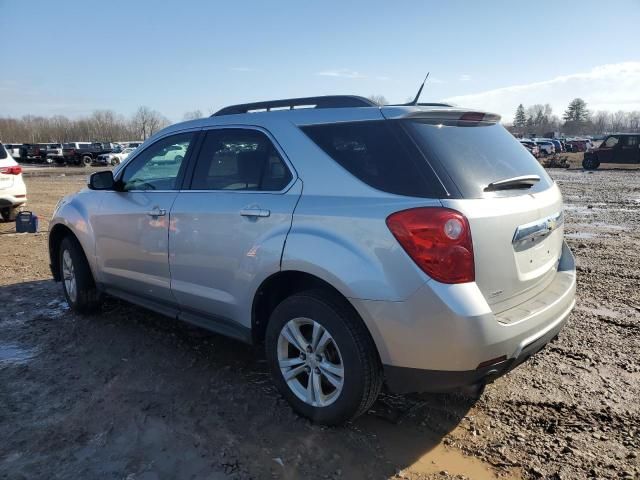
{"x":513,"y":207}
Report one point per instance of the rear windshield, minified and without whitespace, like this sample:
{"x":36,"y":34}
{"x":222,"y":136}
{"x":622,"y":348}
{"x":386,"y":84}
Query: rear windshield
{"x":475,"y":154}
{"x":379,"y":154}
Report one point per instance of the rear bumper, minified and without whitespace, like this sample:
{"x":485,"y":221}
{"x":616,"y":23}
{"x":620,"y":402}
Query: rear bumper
{"x":11,"y":201}
{"x":444,"y":336}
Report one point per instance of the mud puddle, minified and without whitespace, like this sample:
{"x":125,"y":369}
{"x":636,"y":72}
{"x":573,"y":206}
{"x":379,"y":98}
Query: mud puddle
{"x":432,"y":457}
{"x":14,"y":354}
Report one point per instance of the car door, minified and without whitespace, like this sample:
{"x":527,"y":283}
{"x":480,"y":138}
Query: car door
{"x":230,"y":226}
{"x":132,"y":224}
{"x":629,"y":150}
{"x":608,"y":151}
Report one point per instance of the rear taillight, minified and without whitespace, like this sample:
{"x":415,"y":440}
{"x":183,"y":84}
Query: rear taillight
{"x":438,"y":240}
{"x":13,"y":170}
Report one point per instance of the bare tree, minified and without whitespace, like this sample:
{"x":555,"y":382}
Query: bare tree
{"x":379,"y":99}
{"x":146,"y":122}
{"x":194,"y":115}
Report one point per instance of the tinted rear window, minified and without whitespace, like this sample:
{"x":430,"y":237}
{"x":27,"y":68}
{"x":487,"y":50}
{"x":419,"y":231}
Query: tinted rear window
{"x":3,"y":152}
{"x":475,"y":154}
{"x":378,"y":153}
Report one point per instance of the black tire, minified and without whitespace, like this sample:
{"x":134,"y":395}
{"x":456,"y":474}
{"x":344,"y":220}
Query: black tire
{"x":363,"y":375}
{"x":87,"y":298}
{"x":9,"y":214}
{"x":87,"y":160}
{"x":590,"y":162}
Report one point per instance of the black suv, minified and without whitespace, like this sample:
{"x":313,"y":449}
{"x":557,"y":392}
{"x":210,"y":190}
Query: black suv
{"x":617,"y":148}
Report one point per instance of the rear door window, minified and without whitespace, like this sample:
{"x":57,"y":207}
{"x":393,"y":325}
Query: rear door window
{"x":379,"y":154}
{"x":475,"y":154}
{"x":240,"y":159}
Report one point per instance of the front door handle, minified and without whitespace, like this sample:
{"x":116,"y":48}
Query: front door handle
{"x":255,"y":212}
{"x":157,"y":212}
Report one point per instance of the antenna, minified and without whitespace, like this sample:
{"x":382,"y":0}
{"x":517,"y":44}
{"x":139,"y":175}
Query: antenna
{"x":415,"y":100}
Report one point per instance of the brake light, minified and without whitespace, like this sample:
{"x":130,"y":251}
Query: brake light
{"x":438,"y":240}
{"x":13,"y":170}
{"x":472,"y":117}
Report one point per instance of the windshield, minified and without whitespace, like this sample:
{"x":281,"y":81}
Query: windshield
{"x":475,"y":154}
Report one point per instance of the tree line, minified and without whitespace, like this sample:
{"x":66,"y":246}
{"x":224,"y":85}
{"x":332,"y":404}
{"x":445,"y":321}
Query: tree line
{"x":576,"y":120}
{"x":101,"y":125}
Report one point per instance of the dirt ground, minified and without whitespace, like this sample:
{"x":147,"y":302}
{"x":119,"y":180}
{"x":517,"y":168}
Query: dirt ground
{"x":128,"y":394}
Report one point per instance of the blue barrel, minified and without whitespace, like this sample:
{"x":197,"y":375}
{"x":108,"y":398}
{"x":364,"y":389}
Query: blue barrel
{"x":26,"y":222}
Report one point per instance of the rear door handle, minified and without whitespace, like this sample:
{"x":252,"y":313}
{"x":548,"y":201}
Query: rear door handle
{"x":157,"y":212}
{"x":255,"y":212}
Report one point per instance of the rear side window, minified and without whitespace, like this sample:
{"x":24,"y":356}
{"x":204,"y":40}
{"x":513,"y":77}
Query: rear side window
{"x":239,"y":159}
{"x":379,"y":154}
{"x":3,"y":152}
{"x":475,"y":154}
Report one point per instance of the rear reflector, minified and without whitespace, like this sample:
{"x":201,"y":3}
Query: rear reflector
{"x":438,"y":240}
{"x":13,"y":170}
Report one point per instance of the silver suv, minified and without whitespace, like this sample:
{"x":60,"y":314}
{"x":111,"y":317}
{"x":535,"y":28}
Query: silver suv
{"x":415,"y":246}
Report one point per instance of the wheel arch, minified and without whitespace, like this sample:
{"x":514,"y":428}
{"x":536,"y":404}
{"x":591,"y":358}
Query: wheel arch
{"x":275,"y":288}
{"x":57,"y":234}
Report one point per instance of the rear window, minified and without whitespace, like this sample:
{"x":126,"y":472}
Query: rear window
{"x":3,"y":152}
{"x":69,"y":145}
{"x":379,"y":154}
{"x":475,"y":154}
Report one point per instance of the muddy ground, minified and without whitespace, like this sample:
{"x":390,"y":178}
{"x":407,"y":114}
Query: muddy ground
{"x":131,"y":395}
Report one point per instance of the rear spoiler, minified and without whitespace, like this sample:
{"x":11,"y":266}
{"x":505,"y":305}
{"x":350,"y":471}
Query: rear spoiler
{"x":445,"y":114}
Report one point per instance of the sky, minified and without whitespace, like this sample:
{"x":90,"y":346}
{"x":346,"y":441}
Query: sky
{"x":75,"y":56}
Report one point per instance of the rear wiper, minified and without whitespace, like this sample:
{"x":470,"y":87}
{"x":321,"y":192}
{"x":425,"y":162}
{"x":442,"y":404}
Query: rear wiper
{"x":524,"y":181}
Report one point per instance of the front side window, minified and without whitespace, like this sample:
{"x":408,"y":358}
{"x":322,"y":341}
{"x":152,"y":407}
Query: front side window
{"x":158,"y":166}
{"x":611,"y":142}
{"x":239,"y":159}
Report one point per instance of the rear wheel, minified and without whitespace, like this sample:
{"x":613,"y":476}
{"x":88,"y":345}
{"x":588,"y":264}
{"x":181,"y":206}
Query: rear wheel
{"x":77,"y":282}
{"x":9,"y":214}
{"x":322,"y":358}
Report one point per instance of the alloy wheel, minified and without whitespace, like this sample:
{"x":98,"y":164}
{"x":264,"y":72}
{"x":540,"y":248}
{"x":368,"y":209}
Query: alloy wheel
{"x":68,"y":274}
{"x":310,"y":362}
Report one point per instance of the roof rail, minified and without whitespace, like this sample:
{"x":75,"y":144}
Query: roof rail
{"x":328,"y":101}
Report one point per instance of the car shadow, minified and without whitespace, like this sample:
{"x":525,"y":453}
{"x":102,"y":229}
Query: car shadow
{"x":154,"y":389}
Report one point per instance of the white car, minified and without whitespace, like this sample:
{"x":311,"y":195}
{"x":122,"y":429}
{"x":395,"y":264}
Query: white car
{"x":113,"y":158}
{"x":13,"y":149}
{"x":13,"y":191}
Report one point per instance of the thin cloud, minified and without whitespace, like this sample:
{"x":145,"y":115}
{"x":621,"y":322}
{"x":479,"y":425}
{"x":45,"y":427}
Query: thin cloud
{"x":464,"y":78}
{"x":341,"y":73}
{"x":606,"y":87}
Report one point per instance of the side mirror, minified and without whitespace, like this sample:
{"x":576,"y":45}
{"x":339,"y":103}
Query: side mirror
{"x":102,"y":181}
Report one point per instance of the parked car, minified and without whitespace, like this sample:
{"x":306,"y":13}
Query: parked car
{"x":53,"y":152}
{"x":546,"y":147}
{"x":618,"y":148}
{"x":83,"y":153}
{"x":13,"y":149}
{"x":32,"y":151}
{"x":422,"y":257}
{"x":131,"y":144}
{"x":13,"y":191}
{"x":113,"y":158}
{"x":531,"y":147}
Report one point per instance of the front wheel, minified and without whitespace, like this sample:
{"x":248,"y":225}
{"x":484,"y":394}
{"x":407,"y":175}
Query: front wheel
{"x":322,"y":357}
{"x":87,"y":160}
{"x":77,"y":281}
{"x":590,"y":162}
